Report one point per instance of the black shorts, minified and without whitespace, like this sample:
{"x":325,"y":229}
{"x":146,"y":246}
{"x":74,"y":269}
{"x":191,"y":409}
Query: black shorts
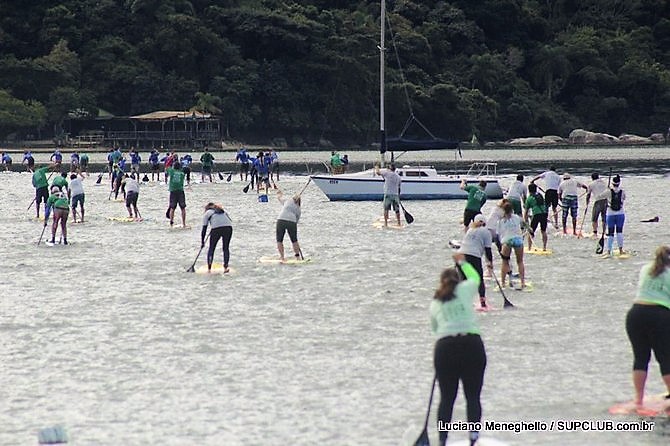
{"x":539,"y":219}
{"x":83,"y":164}
{"x":469,"y":215}
{"x":244,"y":167}
{"x":648,"y":328}
{"x":284,"y":226}
{"x":41,"y":193}
{"x":206,"y":170}
{"x":131,"y":199}
{"x":599,"y":210}
{"x":31,"y":162}
{"x":155,"y":167}
{"x":551,"y":198}
{"x":274,"y":167}
{"x":187,"y":171}
{"x":177,"y":198}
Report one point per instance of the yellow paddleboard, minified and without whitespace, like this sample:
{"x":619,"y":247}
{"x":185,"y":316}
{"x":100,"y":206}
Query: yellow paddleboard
{"x":287,"y":261}
{"x":217,"y":268}
{"x":539,"y":252}
{"x":392,"y":225}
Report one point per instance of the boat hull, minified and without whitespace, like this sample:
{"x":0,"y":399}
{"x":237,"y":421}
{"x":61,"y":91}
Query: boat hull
{"x":343,"y":188}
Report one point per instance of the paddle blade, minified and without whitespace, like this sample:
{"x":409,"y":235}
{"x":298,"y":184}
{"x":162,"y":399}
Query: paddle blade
{"x":246,"y":188}
{"x":408,"y":217}
{"x":601,"y":245}
{"x":220,"y":176}
{"x":145,"y":178}
{"x":191,"y":269}
{"x":230,"y":177}
{"x":99,"y":179}
{"x":167,"y":213}
{"x":423,"y":439}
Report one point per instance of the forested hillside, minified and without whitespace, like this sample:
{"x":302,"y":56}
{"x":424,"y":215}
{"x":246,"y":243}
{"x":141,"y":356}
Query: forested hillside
{"x":306,"y":69}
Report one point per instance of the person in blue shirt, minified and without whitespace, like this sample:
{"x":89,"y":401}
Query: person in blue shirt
{"x":263,"y":170}
{"x":274,"y":166}
{"x":243,"y":158}
{"x":29,"y":160}
{"x":186,"y":161}
{"x":74,"y":161}
{"x":56,"y":157}
{"x":155,"y":164}
{"x":6,"y":161}
{"x":135,"y":160}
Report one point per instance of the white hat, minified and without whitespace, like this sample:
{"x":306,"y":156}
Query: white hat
{"x":480,"y":218}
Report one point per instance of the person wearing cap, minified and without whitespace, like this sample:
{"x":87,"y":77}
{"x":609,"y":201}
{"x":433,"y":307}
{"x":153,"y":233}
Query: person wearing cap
{"x":477,"y":243}
{"x":287,"y":221}
{"x":222,"y":228}
{"x":476,"y":199}
{"x":517,"y":194}
{"x":568,"y":193}
{"x":392,"y":184}
{"x":552,"y":181}
{"x":537,"y":208}
{"x":595,"y":189}
{"x":61,"y":209}
{"x":616,"y":216}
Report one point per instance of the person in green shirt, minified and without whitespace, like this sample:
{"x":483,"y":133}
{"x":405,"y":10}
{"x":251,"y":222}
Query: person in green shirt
{"x":176,"y":187}
{"x":476,"y":199}
{"x":61,"y":208}
{"x":207,"y":160}
{"x":459,"y":353}
{"x":336,"y":163}
{"x":538,"y":209}
{"x":41,"y":185}
{"x":648,"y":322}
{"x":60,"y":181}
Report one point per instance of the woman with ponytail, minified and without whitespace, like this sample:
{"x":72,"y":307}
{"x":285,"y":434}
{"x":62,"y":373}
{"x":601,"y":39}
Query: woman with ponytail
{"x":459,"y":351}
{"x":648,"y":322}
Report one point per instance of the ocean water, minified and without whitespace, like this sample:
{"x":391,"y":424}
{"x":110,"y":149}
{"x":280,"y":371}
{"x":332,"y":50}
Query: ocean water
{"x":111,"y":338}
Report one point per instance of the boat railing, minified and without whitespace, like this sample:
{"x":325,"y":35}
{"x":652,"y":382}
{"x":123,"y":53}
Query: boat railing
{"x":482,"y":169}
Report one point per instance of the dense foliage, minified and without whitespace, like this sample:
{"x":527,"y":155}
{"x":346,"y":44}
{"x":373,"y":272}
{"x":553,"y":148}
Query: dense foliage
{"x":309,"y":69}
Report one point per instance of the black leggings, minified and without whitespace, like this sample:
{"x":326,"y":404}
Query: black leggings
{"x":222,"y":232}
{"x":477,"y":263}
{"x":459,"y":358}
{"x":648,"y":328}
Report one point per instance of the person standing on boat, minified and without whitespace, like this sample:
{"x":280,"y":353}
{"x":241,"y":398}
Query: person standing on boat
{"x":595,"y":189}
{"x":336,"y":163}
{"x":648,"y":322}
{"x":517,"y":194}
{"x":459,"y":354}
{"x":476,"y":199}
{"x":552,"y":181}
{"x":392,"y":184}
{"x":568,"y":193}
{"x":477,"y":243}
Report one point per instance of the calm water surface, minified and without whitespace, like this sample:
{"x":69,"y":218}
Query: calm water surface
{"x":113,"y":339}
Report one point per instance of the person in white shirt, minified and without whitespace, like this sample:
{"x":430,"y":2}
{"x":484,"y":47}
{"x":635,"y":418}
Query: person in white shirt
{"x":616,"y":216}
{"x":517,"y":194}
{"x":568,"y":193}
{"x":76,"y":193}
{"x":392,"y":182}
{"x":132,"y":194}
{"x":511,"y":239}
{"x":552,"y":180}
{"x":595,"y":190}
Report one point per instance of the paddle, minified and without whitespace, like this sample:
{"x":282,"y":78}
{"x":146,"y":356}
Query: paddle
{"x":230,"y":177}
{"x":423,"y":438}
{"x":192,"y":268}
{"x":99,"y":180}
{"x":307,"y":184}
{"x":246,"y":188}
{"x":651,"y":220}
{"x":408,"y":217}
{"x":42,"y":234}
{"x":601,"y":242}
{"x":507,"y":303}
{"x":581,"y":226}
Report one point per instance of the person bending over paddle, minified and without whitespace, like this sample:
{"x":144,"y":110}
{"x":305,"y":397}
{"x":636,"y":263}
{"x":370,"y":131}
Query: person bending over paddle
{"x":61,"y":208}
{"x":511,"y":238}
{"x":616,"y":216}
{"x":595,"y":189}
{"x":535,"y":205}
{"x":288,"y":222}
{"x":476,"y":199}
{"x":76,"y":193}
{"x":552,"y":181}
{"x":568,"y":193}
{"x":41,"y":185}
{"x":392,"y":184}
{"x":459,"y":353}
{"x":177,"y":196}
{"x":648,"y":322}
{"x":222,"y":228}
{"x":132,"y":194}
{"x":477,"y":243}
{"x":492,"y":222}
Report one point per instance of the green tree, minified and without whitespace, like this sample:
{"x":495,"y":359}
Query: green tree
{"x":16,"y":114}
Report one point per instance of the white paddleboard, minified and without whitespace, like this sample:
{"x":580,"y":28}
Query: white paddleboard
{"x":287,"y":261}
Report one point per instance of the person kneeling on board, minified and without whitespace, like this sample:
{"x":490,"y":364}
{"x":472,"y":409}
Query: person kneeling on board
{"x":288,"y":222}
{"x":536,"y":206}
{"x":459,"y":351}
{"x":475,"y":244}
{"x":392,"y":183}
{"x":648,"y":322}
{"x":222,"y":228}
{"x":61,"y":208}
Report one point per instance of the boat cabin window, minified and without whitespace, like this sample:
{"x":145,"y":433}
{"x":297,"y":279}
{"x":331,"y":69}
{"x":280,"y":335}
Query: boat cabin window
{"x":416,"y":174}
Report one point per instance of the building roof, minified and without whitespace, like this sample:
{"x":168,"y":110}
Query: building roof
{"x":166,"y":115}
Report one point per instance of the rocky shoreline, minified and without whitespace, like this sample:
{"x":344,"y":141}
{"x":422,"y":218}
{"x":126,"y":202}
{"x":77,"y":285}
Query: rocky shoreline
{"x":585,"y":137}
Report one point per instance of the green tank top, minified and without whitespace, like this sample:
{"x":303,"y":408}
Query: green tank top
{"x":457,"y":316}
{"x":655,"y":290}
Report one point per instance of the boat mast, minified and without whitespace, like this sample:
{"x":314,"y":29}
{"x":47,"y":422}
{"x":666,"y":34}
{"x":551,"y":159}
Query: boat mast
{"x":382,"y":49}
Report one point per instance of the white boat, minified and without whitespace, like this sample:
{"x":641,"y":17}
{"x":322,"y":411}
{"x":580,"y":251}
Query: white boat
{"x":418,"y":183}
